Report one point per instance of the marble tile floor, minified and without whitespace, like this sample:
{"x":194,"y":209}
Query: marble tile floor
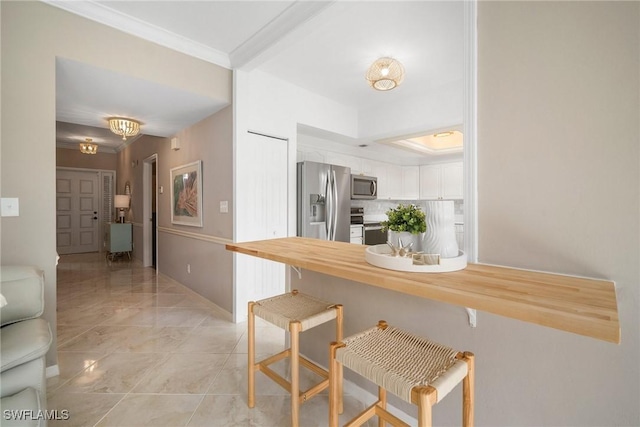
{"x":136,"y":348}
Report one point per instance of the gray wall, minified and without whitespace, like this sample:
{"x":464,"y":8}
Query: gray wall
{"x":558,"y":118}
{"x":558,"y":190}
{"x":33,"y":34}
{"x":75,"y":159}
{"x":210,"y":140}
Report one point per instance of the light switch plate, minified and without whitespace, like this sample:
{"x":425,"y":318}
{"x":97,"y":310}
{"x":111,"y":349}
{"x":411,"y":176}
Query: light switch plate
{"x":10,"y":206}
{"x":224,"y":206}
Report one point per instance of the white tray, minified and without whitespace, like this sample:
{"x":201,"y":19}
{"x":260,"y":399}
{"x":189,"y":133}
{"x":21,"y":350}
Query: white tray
{"x":380,"y":256}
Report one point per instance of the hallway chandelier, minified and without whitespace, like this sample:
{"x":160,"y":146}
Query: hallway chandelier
{"x":88,"y":147}
{"x":385,"y":74}
{"x":124,"y":127}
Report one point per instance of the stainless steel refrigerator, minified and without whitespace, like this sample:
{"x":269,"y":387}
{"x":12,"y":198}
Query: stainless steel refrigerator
{"x":324,"y":201}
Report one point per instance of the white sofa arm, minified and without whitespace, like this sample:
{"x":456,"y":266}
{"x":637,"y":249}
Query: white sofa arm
{"x":23,"y":288}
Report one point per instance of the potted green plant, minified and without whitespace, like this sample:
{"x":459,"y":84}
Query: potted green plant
{"x":406,"y":224}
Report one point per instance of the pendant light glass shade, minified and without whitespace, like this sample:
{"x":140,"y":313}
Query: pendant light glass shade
{"x":385,"y":74}
{"x":124,"y":127}
{"x":88,"y":147}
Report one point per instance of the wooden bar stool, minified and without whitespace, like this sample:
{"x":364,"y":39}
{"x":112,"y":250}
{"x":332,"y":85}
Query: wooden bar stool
{"x":294,"y":312}
{"x":415,"y":369}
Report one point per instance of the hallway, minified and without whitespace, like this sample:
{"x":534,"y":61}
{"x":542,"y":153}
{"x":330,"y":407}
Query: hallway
{"x":136,"y":348}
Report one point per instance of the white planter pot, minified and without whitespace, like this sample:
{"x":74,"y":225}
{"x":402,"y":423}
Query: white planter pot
{"x":440,"y":237}
{"x":395,"y":236}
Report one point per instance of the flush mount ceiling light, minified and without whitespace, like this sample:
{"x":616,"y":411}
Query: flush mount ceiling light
{"x":124,"y":127}
{"x":88,"y":147}
{"x":446,"y":142}
{"x":443,"y":134}
{"x":385,"y":74}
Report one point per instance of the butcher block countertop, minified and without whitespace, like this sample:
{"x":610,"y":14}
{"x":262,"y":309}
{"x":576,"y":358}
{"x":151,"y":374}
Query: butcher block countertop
{"x":582,"y":306}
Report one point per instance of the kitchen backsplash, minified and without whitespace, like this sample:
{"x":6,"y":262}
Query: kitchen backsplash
{"x":380,"y":207}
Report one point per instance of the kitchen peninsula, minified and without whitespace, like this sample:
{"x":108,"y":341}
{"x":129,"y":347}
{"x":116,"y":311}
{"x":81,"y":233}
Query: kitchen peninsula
{"x":583,"y":306}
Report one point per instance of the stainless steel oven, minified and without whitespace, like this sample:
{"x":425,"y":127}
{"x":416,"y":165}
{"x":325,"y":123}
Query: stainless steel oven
{"x":373,"y":234}
{"x":357,"y":216}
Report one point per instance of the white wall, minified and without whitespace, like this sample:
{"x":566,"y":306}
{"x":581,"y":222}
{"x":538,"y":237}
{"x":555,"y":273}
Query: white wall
{"x":265,"y":104}
{"x":440,"y":108}
{"x":271,"y":106}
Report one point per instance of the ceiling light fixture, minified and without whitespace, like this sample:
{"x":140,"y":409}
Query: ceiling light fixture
{"x":88,"y":147}
{"x":124,"y":127}
{"x":443,"y":134}
{"x":385,"y":74}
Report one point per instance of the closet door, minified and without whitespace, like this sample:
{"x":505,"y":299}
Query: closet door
{"x":261,"y":213}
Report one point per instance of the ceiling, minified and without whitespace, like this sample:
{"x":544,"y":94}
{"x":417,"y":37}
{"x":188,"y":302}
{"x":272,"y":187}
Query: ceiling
{"x":322,"y":46}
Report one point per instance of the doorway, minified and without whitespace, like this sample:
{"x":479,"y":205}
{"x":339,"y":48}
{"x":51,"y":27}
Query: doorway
{"x":77,"y":211}
{"x":149,"y":211}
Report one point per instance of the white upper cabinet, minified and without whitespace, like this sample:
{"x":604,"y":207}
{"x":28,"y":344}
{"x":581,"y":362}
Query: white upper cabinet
{"x":430,"y":177}
{"x":428,"y":182}
{"x":452,"y":180}
{"x":441,"y":181}
{"x":394,"y":180}
{"x":410,"y":187}
{"x":380,"y":171}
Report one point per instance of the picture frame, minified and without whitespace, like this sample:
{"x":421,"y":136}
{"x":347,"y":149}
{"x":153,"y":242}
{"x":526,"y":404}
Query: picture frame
{"x":186,"y":194}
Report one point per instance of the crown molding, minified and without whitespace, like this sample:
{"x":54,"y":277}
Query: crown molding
{"x":251,"y":52}
{"x":105,"y":15}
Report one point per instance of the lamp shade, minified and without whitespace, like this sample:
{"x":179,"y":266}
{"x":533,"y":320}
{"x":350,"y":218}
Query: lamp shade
{"x":122,"y":201}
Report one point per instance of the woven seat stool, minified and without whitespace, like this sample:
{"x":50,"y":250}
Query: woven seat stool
{"x":294,"y":312}
{"x":415,"y":369}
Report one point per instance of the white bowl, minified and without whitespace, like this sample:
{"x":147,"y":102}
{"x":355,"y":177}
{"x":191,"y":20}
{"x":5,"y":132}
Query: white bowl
{"x":380,"y":256}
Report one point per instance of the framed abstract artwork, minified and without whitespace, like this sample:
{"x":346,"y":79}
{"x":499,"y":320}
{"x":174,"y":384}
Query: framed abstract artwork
{"x":186,"y":194}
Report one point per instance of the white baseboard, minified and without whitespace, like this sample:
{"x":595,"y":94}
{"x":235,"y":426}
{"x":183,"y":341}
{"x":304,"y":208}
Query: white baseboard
{"x":227,"y":315}
{"x":52,"y":371}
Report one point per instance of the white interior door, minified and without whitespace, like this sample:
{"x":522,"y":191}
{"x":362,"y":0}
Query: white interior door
{"x":77,"y":207}
{"x":261,"y":204}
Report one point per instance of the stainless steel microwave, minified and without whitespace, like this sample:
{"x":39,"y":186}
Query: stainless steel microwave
{"x":364,"y":187}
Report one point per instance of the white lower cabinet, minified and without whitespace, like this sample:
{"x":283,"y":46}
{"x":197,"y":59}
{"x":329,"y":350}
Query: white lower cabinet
{"x":356,"y":235}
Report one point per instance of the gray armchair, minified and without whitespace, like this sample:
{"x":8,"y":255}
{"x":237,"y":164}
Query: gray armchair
{"x":25,"y":339}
